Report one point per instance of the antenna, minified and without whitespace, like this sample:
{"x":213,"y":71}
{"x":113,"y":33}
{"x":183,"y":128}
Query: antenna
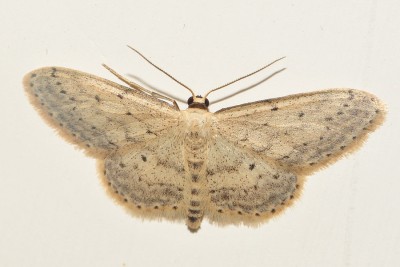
{"x":163,"y":71}
{"x":243,"y":77}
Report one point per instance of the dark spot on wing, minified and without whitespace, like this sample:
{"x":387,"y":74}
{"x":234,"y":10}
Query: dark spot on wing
{"x":97,"y":98}
{"x":149,"y":132}
{"x":210,"y":172}
{"x":120,"y":96}
{"x":144,"y":158}
{"x":224,"y":196}
{"x":301,"y":114}
{"x":274,"y":109}
{"x":251,"y":166}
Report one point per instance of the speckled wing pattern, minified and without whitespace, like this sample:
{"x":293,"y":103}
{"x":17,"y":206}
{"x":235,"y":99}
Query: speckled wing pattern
{"x":304,"y":130}
{"x":130,"y":132}
{"x":243,"y":186}
{"x":269,"y":146}
{"x":95,"y":113}
{"x":149,"y":177}
{"x":240,"y":165}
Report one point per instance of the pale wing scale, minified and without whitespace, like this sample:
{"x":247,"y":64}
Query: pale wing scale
{"x":95,"y":113}
{"x":149,"y":177}
{"x":244,"y":188}
{"x":302,"y":131}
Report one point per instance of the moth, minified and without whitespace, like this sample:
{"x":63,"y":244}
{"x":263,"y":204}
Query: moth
{"x":240,"y":165}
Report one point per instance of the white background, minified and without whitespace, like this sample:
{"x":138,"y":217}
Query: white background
{"x":53,"y":209}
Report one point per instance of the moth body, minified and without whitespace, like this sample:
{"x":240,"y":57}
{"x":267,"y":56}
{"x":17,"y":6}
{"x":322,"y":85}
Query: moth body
{"x":196,"y":123}
{"x":240,"y":165}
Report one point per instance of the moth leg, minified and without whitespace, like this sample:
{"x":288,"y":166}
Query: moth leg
{"x":140,"y":88}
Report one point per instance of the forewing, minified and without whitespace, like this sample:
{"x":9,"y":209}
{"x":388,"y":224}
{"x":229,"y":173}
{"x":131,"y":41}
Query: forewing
{"x":95,"y":113}
{"x":304,"y":131}
{"x":149,"y":178}
{"x":243,"y":187}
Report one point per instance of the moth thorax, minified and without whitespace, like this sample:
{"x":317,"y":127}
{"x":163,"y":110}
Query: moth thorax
{"x":196,"y":138}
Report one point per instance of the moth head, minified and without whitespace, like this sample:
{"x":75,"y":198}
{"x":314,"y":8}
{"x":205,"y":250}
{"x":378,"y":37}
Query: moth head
{"x":198,"y":102}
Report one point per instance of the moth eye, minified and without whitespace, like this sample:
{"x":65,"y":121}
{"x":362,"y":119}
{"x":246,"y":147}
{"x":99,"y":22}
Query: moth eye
{"x":207,"y":102}
{"x":190,"y":100}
